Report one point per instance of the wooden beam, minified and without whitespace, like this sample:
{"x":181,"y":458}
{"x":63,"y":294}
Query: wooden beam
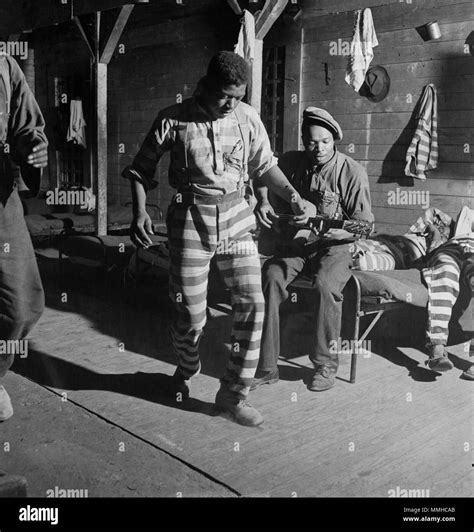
{"x":52,"y":12}
{"x":100,"y":132}
{"x":234,"y":4}
{"x":110,"y":43}
{"x":100,"y":79}
{"x":267,"y":17}
{"x":255,"y":96}
{"x":83,"y":7}
{"x":85,"y":37}
{"x":292,"y":94}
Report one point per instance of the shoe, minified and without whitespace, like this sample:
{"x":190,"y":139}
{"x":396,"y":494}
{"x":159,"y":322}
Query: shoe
{"x":239,"y":409}
{"x":469,"y":373}
{"x":439,"y":360}
{"x":270,"y":377}
{"x":324,"y":378}
{"x":179,"y":386}
{"x":6,"y":409}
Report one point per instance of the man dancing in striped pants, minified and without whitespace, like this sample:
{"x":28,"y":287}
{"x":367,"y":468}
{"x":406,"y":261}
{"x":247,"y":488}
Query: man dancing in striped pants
{"x":216,"y":143}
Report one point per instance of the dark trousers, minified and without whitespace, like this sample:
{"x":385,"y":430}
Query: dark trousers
{"x":330,"y":270}
{"x":21,"y":290}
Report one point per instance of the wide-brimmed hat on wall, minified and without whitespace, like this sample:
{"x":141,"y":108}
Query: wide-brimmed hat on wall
{"x":376,"y":85}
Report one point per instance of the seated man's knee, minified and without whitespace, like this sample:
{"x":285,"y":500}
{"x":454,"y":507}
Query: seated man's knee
{"x":327,"y":285}
{"x":273,"y":277}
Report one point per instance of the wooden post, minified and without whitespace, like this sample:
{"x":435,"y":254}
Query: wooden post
{"x":100,"y":83}
{"x":234,"y":5}
{"x":292,"y":108}
{"x":101,"y":51}
{"x":256,"y":85}
{"x":264,"y":21}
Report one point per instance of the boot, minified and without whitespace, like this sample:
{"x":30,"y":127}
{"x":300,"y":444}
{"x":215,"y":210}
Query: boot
{"x":179,"y":385}
{"x":239,"y":409}
{"x":270,"y":377}
{"x":469,"y":373}
{"x":6,"y":409}
{"x":438,"y":358}
{"x":324,"y":378}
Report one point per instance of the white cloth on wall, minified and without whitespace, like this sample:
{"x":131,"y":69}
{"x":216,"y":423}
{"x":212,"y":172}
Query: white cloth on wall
{"x":76,"y":131}
{"x":364,"y":39}
{"x":245,"y":46}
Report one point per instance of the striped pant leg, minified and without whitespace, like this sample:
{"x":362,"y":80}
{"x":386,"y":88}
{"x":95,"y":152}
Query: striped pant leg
{"x":191,"y":233}
{"x":241,"y":272}
{"x":188,"y":292}
{"x":442,"y":279}
{"x":239,"y":263}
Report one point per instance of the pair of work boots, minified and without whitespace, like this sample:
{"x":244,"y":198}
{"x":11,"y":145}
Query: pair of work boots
{"x":439,"y":361}
{"x":324,"y":378}
{"x":226,"y":401}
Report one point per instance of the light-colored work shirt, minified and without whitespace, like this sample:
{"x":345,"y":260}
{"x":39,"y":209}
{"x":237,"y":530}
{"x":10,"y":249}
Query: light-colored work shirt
{"x":207,"y":156}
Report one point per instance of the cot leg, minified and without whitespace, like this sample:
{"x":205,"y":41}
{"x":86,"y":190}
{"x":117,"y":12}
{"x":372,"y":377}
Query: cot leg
{"x":355,"y":338}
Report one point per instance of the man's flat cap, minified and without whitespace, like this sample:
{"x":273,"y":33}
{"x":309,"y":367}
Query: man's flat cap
{"x":320,"y":116}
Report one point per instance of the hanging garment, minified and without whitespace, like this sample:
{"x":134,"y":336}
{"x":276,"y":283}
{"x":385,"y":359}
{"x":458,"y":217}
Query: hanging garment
{"x":364,"y":39}
{"x":422,"y":155}
{"x":245,"y":46}
{"x":76,"y":131}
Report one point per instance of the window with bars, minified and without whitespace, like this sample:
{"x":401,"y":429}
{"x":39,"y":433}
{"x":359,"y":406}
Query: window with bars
{"x":273,"y":86}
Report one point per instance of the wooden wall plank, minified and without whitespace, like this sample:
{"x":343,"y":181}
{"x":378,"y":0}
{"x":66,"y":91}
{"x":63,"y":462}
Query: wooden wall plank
{"x":461,"y":171}
{"x":449,"y":204}
{"x":456,"y":66}
{"x":397,"y":152}
{"x":446,"y":136}
{"x":412,"y":86}
{"x":398,"y":121}
{"x":389,"y":18}
{"x":292,"y":94}
{"x":436,"y":186}
{"x":393,"y":104}
{"x":336,"y":53}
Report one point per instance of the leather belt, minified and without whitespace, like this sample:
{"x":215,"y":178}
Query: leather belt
{"x":190,"y":198}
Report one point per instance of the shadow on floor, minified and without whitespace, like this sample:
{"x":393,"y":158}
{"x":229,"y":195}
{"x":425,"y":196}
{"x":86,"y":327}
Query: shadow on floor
{"x":415,"y":371}
{"x":153,"y":387}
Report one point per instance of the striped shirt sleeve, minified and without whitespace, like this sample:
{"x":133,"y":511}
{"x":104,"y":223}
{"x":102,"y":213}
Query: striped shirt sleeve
{"x":158,"y":140}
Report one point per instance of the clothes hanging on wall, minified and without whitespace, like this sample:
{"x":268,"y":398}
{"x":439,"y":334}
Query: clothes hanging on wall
{"x":76,"y":131}
{"x":422,"y":154}
{"x":364,"y":39}
{"x":245,"y":46}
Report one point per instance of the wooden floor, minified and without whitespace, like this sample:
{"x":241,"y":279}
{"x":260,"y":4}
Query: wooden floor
{"x":398,"y":426}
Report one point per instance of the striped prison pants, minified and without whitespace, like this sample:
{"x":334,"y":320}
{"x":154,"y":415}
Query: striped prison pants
{"x":196,"y":234}
{"x":442,"y":279}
